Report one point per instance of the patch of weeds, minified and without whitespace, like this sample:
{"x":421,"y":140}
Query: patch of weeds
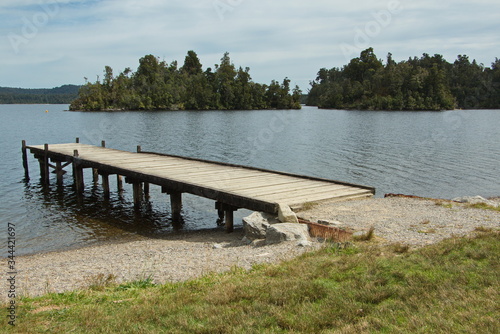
{"x":483,"y":229}
{"x":484,"y":206}
{"x":369,"y":235}
{"x":400,"y":248}
{"x":101,"y":281}
{"x":140,"y":284}
{"x":341,"y":247}
{"x":444,"y":203}
{"x":308,"y":206}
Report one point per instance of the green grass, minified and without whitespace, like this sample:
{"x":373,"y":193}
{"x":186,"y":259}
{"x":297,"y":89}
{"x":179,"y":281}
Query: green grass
{"x":452,"y":287}
{"x":484,"y":206}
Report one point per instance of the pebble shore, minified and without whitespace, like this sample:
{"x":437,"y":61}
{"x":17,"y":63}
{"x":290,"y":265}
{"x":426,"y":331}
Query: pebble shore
{"x":413,"y":222}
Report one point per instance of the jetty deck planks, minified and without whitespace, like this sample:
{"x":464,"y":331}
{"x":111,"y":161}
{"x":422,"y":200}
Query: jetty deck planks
{"x":232,"y":186}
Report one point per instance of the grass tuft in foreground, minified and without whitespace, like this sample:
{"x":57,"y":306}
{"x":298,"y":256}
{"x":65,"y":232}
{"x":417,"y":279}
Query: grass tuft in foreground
{"x":452,"y":287}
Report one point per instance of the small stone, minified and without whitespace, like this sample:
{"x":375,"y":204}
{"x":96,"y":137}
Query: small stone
{"x":324,"y":222}
{"x":217,"y":246}
{"x":304,"y":243}
{"x":246,"y":241}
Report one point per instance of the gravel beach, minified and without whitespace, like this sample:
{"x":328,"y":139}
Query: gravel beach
{"x":414,"y":222}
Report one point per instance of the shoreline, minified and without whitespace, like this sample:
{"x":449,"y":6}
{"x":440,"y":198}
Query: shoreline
{"x":185,"y":255}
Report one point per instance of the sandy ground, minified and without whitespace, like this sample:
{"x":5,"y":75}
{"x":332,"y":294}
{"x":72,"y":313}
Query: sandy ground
{"x":414,"y":222}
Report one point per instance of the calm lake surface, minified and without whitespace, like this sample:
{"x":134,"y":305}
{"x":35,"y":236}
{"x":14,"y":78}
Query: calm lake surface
{"x":434,"y":154}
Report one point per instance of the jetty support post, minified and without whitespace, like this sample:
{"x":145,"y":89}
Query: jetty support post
{"x":25,"y":161}
{"x":95,"y":176}
{"x":119,"y":183}
{"x":78,"y":173}
{"x":105,"y":183}
{"x":137,"y":191}
{"x":228,"y":212}
{"x":44,"y":165}
{"x":175,"y":203}
{"x":59,"y":173}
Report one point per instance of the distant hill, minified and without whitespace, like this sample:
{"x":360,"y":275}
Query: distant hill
{"x":58,"y":95}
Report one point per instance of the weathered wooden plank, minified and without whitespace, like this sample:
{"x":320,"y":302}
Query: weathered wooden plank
{"x":319,"y":197}
{"x":297,"y":193}
{"x":291,"y":189}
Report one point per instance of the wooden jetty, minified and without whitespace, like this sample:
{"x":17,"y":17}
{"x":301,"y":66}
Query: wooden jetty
{"x":232,"y":186}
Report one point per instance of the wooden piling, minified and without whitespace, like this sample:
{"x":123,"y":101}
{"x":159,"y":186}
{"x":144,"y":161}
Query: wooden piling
{"x":137,"y":189}
{"x":59,"y":172}
{"x":77,"y":140}
{"x":105,"y":184}
{"x":226,"y":212}
{"x":146,"y":191}
{"x":46,"y":174}
{"x":176,"y":205}
{"x":119,"y":183}
{"x":103,"y":143}
{"x":229,"y":221}
{"x":25,"y":161}
{"x":95,"y":176}
{"x":78,"y":174}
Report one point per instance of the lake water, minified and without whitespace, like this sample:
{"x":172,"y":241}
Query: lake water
{"x":434,"y":154}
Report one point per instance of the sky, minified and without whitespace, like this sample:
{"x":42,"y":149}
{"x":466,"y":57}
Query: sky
{"x":48,"y":43}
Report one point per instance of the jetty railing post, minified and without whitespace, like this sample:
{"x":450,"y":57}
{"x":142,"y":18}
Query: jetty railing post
{"x":77,"y":140}
{"x":78,"y":173}
{"x":25,"y":161}
{"x":103,"y":143}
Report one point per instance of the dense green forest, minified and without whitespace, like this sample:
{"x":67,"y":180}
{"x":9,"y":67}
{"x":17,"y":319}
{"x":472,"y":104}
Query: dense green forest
{"x":426,"y":83}
{"x":157,"y":85}
{"x":59,"y":95}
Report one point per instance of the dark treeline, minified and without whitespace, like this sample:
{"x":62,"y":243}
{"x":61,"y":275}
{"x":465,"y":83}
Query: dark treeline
{"x":157,"y":85}
{"x":59,"y":95}
{"x":426,"y":83}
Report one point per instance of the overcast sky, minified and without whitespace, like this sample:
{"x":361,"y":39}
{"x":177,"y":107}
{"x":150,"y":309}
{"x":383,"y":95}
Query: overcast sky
{"x":48,"y":43}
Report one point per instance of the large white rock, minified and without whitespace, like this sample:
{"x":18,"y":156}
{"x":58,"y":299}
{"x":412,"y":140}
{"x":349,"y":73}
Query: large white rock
{"x":286,"y":215}
{"x":475,"y":200}
{"x":255,"y":225}
{"x":287,"y":232}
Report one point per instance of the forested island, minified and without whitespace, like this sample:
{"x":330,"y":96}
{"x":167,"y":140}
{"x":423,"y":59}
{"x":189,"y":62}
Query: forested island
{"x":58,"y":95}
{"x":426,"y":83}
{"x":157,"y":85}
